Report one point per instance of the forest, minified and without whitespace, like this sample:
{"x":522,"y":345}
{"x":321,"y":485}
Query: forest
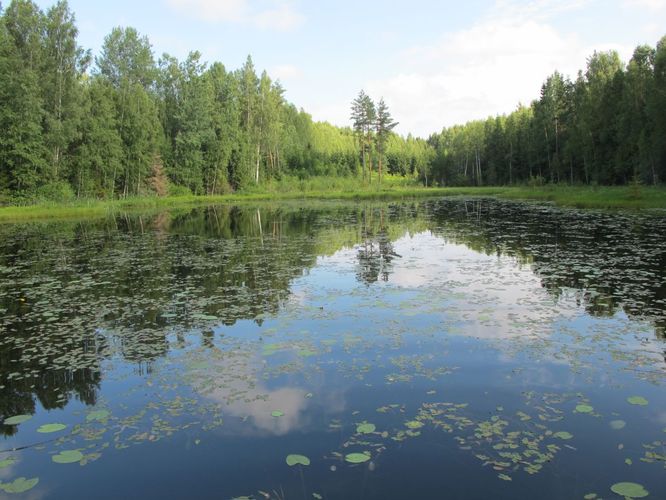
{"x":127,"y":123}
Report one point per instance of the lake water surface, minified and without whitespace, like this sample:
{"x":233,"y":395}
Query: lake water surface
{"x":438,"y":349}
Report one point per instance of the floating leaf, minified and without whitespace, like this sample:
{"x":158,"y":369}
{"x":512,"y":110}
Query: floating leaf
{"x":50,"y":428}
{"x":357,"y":458}
{"x":277,"y":414}
{"x":590,"y":496}
{"x":584,"y":409}
{"x":20,"y":485}
{"x":98,"y":416}
{"x":563,"y":435}
{"x":637,"y":400}
{"x":504,"y":477}
{"x":629,"y":490}
{"x":414,"y":424}
{"x":618,"y":425}
{"x":366,"y":428}
{"x":8,"y":462}
{"x":67,"y":457}
{"x":293,"y":460}
{"x":18,"y":419}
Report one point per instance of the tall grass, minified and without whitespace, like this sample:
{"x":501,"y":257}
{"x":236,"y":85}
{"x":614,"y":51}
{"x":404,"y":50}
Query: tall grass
{"x":327,"y":188}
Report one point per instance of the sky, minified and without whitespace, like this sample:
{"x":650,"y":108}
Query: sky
{"x":436,"y":63}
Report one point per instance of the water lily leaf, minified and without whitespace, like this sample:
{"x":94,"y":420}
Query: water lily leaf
{"x":8,"y":462}
{"x":591,"y":496}
{"x":18,"y":419}
{"x":584,"y":409}
{"x":414,"y":424}
{"x":618,"y":425}
{"x":50,"y":428}
{"x":67,"y":457}
{"x":293,"y":460}
{"x":357,"y":458}
{"x":563,"y":435}
{"x":98,"y":416}
{"x":504,"y":477}
{"x":20,"y":485}
{"x":277,"y":414}
{"x":637,"y":400}
{"x":630,"y":490}
{"x":366,"y":428}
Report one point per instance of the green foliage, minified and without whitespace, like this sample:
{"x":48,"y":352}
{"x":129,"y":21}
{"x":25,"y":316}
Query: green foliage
{"x":120,"y":130}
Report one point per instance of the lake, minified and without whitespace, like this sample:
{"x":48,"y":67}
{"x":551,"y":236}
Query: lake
{"x":452,"y":348}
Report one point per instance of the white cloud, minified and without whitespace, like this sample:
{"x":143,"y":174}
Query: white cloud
{"x":285,"y":72}
{"x":277,"y":15}
{"x":281,"y":18}
{"x":484,"y":70}
{"x":646,"y":4}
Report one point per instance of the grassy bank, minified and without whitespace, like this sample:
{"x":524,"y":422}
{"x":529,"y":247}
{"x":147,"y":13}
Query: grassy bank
{"x":334,"y":189}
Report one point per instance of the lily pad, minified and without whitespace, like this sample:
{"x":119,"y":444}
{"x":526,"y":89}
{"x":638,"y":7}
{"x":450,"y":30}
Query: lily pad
{"x":18,"y":419}
{"x":293,"y":460}
{"x":637,"y":400}
{"x":584,"y":409}
{"x":366,"y":428}
{"x":20,"y":485}
{"x":97,"y":416}
{"x":414,"y":424}
{"x":8,"y":462}
{"x":617,"y":425}
{"x":630,"y":490}
{"x":50,"y":428}
{"x":277,"y":414}
{"x":357,"y":458}
{"x":67,"y":457}
{"x":590,"y":496}
{"x":563,"y":435}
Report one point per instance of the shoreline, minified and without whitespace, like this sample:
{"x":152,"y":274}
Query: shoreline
{"x":624,"y":197}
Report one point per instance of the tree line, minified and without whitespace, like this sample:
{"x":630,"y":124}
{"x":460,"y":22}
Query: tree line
{"x":608,"y":126}
{"x":125,"y":123}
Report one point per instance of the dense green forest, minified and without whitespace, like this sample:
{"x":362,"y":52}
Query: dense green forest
{"x":126,"y":123}
{"x":608,"y":126}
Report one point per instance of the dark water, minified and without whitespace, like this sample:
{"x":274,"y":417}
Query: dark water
{"x":457,"y":349}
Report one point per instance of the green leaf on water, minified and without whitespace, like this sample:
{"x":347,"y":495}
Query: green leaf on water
{"x":98,"y":416}
{"x":414,"y":424}
{"x":50,"y":428}
{"x":637,"y":400}
{"x":366,"y":428}
{"x":504,"y":477}
{"x":629,"y":490}
{"x":584,"y":409}
{"x":67,"y":457}
{"x":357,"y":458}
{"x":617,"y":425}
{"x":18,"y":419}
{"x":293,"y":460}
{"x":8,"y":462}
{"x":20,"y":485}
{"x":563,"y":435}
{"x":590,"y":496}
{"x":277,"y":414}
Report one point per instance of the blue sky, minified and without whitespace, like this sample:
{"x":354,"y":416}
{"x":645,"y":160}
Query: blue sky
{"x":436,"y":63}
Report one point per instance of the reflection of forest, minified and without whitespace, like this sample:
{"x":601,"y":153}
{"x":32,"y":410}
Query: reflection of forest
{"x":74,"y":294}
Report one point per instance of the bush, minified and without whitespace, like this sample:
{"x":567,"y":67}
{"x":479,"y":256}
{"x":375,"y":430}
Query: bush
{"x":175,"y":190}
{"x":58,"y":191}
